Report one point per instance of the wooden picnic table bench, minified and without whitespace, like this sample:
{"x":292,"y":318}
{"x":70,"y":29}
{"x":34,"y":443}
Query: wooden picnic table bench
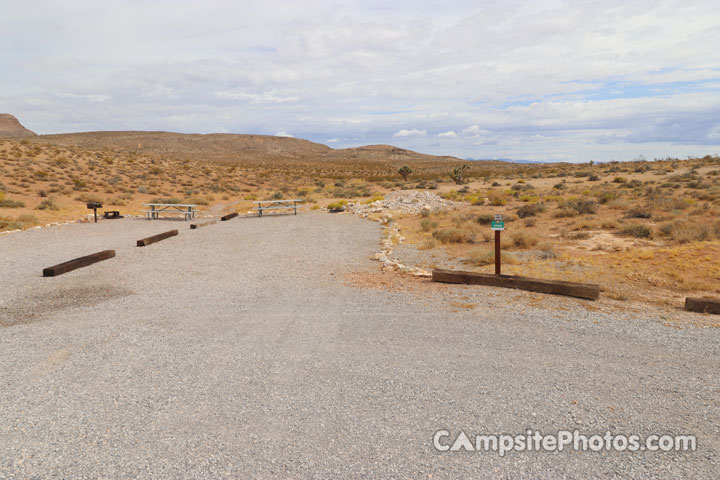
{"x":290,"y":204}
{"x":188,"y":210}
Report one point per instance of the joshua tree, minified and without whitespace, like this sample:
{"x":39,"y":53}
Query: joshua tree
{"x":405,"y":172}
{"x":458,"y":174}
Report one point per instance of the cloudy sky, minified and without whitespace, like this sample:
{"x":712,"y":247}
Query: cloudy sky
{"x":539,"y":80}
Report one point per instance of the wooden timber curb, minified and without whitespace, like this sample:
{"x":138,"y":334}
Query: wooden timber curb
{"x":229,"y":216}
{"x":156,"y":238}
{"x":702,"y":305}
{"x":580,"y":290}
{"x":193,"y":226}
{"x":71,"y":265}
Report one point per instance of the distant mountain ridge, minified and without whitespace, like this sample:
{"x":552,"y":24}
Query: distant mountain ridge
{"x":11,"y":127}
{"x":246,"y":148}
{"x":229,"y":147}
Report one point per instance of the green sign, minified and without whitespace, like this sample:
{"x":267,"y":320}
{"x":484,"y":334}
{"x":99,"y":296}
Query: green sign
{"x":498,"y":225}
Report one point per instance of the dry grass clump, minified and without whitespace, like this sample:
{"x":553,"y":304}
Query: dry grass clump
{"x":427,"y":225}
{"x":683,"y":231}
{"x":485,"y":218}
{"x":454,"y":235}
{"x":20,"y":223}
{"x":530,"y":210}
{"x":482,"y":257}
{"x":427,"y":244}
{"x":48,"y":204}
{"x":524,"y":239}
{"x":583,"y":206}
{"x":637,"y":230}
{"x":639,"y":212}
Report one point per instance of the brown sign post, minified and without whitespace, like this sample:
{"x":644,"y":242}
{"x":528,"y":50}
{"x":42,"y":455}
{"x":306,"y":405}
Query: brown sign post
{"x":498,"y":225}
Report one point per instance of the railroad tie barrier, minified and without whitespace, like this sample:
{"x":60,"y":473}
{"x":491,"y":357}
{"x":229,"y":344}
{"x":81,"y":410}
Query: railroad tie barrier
{"x":81,"y":262}
{"x":194,"y":226}
{"x":156,"y":238}
{"x":229,"y":216}
{"x":580,"y":290}
{"x":702,"y":305}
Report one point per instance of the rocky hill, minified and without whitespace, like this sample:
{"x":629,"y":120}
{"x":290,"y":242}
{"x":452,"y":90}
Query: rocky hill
{"x":11,"y":127}
{"x":234,"y":148}
{"x":241,"y":148}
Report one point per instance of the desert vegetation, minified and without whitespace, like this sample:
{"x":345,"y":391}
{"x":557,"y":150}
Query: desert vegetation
{"x":651,"y":224}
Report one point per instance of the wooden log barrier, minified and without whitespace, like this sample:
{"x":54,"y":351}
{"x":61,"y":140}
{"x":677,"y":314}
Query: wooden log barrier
{"x":193,"y":226}
{"x":77,"y":263}
{"x":229,"y":216}
{"x":581,"y":290}
{"x":156,"y":238}
{"x":702,"y":305}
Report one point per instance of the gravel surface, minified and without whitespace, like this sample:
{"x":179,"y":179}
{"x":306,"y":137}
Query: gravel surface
{"x":241,"y":350}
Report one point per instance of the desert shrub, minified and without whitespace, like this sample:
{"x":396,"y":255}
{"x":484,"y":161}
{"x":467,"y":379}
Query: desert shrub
{"x":375,"y":198}
{"x":89,"y":197}
{"x":485,"y":218}
{"x":78,"y":183}
{"x":610,"y":225}
{"x":619,"y":180}
{"x":524,"y":239}
{"x":584,"y":206}
{"x":487,"y":257}
{"x":142,"y":189}
{"x":20,"y":223}
{"x":497,"y":199}
{"x":426,"y":225}
{"x":605,"y":197}
{"x":454,"y":235}
{"x":425,"y":212}
{"x":546,"y":251}
{"x":530,"y":210}
{"x":637,"y":230}
{"x":115,"y":180}
{"x":337,"y":206}
{"x":564,"y":213}
{"x":48,"y":204}
{"x":427,"y":244}
{"x":593,"y":178}
{"x":683,"y":231}
{"x":9,"y":203}
{"x":529,"y":222}
{"x":639,"y":212}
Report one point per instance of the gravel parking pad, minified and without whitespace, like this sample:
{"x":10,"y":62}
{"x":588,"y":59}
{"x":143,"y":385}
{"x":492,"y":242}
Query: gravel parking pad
{"x":238,"y":351}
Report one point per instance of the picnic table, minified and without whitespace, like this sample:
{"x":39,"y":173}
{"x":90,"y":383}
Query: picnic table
{"x":188,"y":210}
{"x":290,"y":204}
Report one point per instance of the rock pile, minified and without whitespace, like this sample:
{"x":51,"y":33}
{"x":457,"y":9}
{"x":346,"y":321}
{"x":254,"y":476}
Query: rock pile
{"x":405,"y":201}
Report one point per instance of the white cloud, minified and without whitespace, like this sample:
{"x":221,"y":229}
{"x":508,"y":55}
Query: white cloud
{"x":256,"y":98}
{"x":475,"y":132}
{"x":333,"y":140}
{"x":413,"y":132}
{"x":284,"y":134}
{"x":566,"y":78}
